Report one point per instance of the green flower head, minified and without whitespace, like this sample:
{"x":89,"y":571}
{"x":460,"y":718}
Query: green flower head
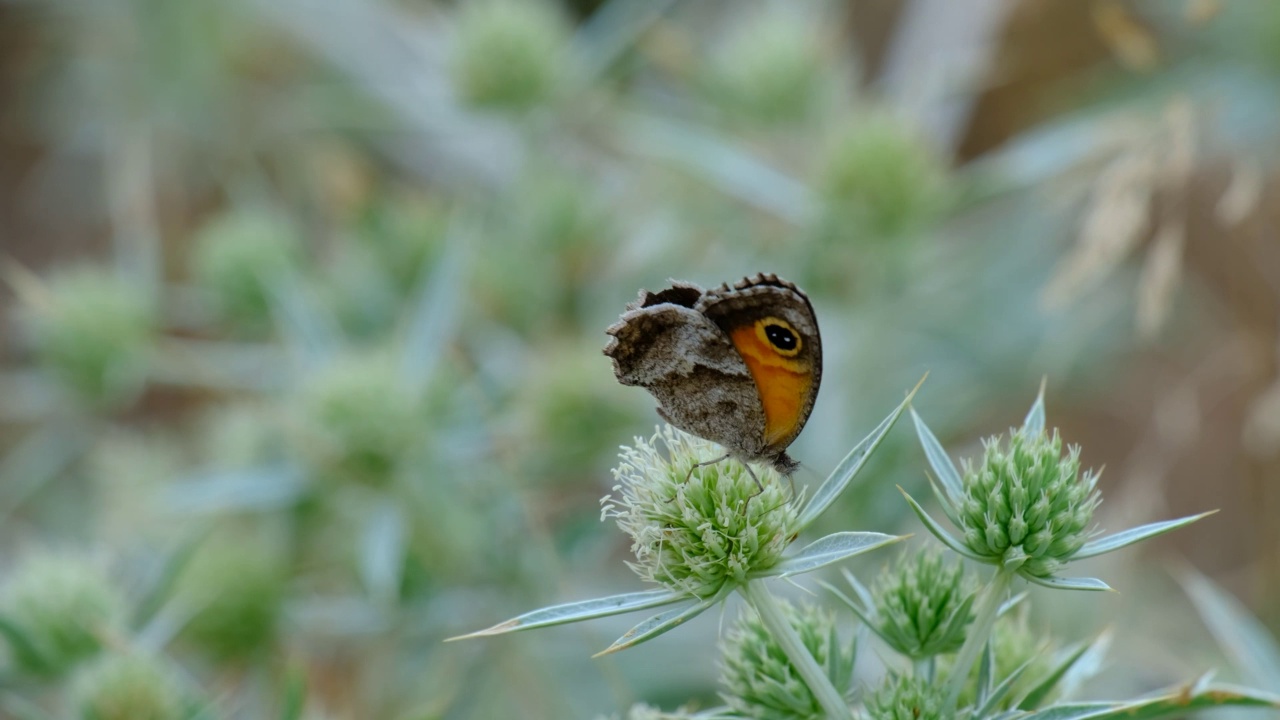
{"x":355,"y":422}
{"x":696,"y":535}
{"x":58,"y":609}
{"x":93,"y":331}
{"x":236,"y":583}
{"x":238,"y":256}
{"x":130,"y":687}
{"x":883,"y":178}
{"x":771,"y":71}
{"x":1027,"y":497}
{"x":923,"y":605}
{"x":906,"y":698}
{"x":762,"y":683}
{"x":509,"y":54}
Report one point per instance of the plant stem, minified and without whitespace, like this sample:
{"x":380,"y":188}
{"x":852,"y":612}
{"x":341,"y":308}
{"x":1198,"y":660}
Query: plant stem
{"x":766,"y":605}
{"x":979,"y":632}
{"x":924,"y":668}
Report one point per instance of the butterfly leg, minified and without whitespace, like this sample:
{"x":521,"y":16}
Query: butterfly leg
{"x":759,"y":486}
{"x":720,"y":459}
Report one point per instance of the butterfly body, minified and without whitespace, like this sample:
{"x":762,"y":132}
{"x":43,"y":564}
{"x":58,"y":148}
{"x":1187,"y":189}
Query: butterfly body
{"x":739,"y":365}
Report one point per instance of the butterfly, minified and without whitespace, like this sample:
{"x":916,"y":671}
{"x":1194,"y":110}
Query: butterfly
{"x":739,"y":365}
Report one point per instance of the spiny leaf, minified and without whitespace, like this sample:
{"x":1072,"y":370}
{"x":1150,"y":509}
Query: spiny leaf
{"x":581,"y":610}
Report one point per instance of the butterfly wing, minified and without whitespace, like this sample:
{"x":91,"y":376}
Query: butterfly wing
{"x":773,"y":327}
{"x":690,"y":366}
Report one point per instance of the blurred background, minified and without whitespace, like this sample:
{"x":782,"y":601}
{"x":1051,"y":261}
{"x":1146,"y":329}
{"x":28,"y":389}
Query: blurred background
{"x":303,"y":303}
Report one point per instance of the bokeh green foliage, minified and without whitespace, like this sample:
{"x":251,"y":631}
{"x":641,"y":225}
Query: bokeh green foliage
{"x":92,"y":331}
{"x":351,"y":422}
{"x":510,"y":54}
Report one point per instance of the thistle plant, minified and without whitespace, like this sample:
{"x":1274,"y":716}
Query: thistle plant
{"x":716,"y":533}
{"x":761,"y":682}
{"x":1026,"y":509}
{"x":703,"y":532}
{"x":920,"y":606}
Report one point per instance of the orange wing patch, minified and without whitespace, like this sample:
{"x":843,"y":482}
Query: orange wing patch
{"x":782,"y":383}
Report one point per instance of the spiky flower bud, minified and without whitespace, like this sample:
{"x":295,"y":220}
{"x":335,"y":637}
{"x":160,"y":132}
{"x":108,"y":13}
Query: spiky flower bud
{"x":57,"y":612}
{"x":906,"y":698}
{"x":354,"y":421}
{"x":762,"y":683}
{"x":696,"y":535}
{"x":92,"y":331}
{"x":923,"y":605}
{"x":1027,"y":498}
{"x":130,"y":687}
{"x":238,"y":256}
{"x":509,"y":54}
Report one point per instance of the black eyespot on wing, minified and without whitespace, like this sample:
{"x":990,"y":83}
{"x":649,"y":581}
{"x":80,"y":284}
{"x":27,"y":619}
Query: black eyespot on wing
{"x":781,"y":337}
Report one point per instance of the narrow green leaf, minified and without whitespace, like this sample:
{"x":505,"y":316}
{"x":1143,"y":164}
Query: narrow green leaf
{"x":20,"y":708}
{"x":986,"y":675}
{"x":1073,"y":711}
{"x":38,"y":458}
{"x":1061,"y":583}
{"x":939,"y":532}
{"x":309,"y":331}
{"x":262,"y":488}
{"x":159,"y":588}
{"x":21,"y":646}
{"x":611,"y":31}
{"x":834,"y":664}
{"x":999,"y":692}
{"x":863,"y":593}
{"x":852,"y":463}
{"x":1128,"y":537}
{"x":658,"y":624}
{"x":1252,"y":649}
{"x":1177,"y":702}
{"x":1011,"y":603}
{"x":866,"y":616}
{"x":383,"y":545}
{"x":581,"y":610}
{"x":434,"y":314}
{"x":1088,"y":666}
{"x":1034,"y":422}
{"x":731,"y":167}
{"x":829,"y":549}
{"x":947,"y":472}
{"x":948,"y":507}
{"x":295,"y":695}
{"x":1063,"y":663}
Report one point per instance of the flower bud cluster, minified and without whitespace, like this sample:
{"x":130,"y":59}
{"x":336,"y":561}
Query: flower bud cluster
{"x":694,"y":528}
{"x":1026,"y":496}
